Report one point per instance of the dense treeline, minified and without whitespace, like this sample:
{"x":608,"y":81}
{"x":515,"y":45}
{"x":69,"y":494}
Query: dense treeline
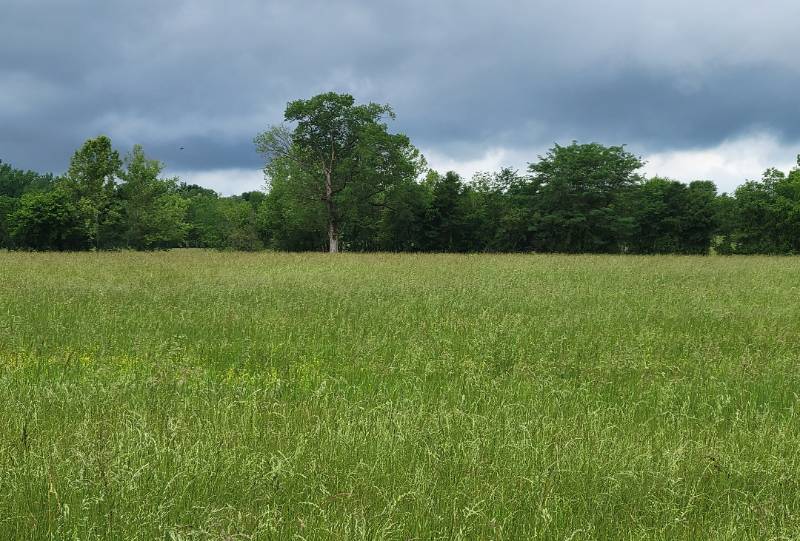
{"x":106,"y":202}
{"x":339,"y":180}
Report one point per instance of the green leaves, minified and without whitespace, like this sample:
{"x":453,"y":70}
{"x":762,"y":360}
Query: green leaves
{"x":92,"y":175}
{"x":340,"y":154}
{"x":94,"y":168}
{"x":155,"y":215}
{"x":49,"y":221}
{"x":337,"y":177}
{"x":578,"y":189}
{"x":767,"y":214}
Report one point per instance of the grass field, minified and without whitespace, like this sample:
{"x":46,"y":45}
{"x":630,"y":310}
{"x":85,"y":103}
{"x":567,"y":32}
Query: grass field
{"x":203,"y":395}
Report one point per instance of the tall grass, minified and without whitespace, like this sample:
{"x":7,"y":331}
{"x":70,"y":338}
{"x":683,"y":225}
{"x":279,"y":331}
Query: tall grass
{"x":201,"y":395}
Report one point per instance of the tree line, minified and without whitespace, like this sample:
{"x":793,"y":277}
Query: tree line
{"x":108,"y":202}
{"x":338,"y":179}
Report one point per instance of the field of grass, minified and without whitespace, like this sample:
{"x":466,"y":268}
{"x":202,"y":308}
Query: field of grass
{"x":202,"y":395}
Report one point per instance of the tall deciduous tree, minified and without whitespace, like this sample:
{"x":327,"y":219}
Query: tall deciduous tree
{"x":340,"y":154}
{"x":672,"y":217}
{"x":92,"y":173}
{"x":768,"y":214}
{"x":447,"y":213}
{"x":155,"y":214}
{"x":578,"y":191}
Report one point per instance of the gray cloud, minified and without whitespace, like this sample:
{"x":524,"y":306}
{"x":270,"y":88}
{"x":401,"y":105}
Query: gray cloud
{"x":463,"y":76}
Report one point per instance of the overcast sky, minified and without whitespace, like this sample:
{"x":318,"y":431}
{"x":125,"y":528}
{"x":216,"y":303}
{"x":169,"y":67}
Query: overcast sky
{"x":701,"y":89}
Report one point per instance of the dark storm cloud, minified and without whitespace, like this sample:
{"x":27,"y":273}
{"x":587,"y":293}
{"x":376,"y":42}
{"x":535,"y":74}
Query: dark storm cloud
{"x":462,"y":76}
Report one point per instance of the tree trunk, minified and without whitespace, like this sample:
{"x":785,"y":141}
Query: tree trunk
{"x":333,"y":238}
{"x":333,"y":230}
{"x":97,"y":231}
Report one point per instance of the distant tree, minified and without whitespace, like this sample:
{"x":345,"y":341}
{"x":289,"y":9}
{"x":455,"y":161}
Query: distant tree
{"x":188,"y":191}
{"x":255,"y":198}
{"x":518,"y":224}
{"x":92,"y":174}
{"x":403,"y":220}
{"x":338,"y":153}
{"x":446,"y":218}
{"x":725,"y":218}
{"x":154,"y":211}
{"x":579,"y":190}
{"x":671,"y":217}
{"x":768,"y":214}
{"x":239,"y":225}
{"x":699,"y":223}
{"x":7,"y":207}
{"x":657,"y":208}
{"x":15,"y":182}
{"x":489,"y":205}
{"x":756,"y":216}
{"x":288,"y":218}
{"x":223,"y":223}
{"x":49,"y":221}
{"x":204,"y":215}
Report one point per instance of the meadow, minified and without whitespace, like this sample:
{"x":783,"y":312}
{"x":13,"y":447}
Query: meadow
{"x":191,"y":395}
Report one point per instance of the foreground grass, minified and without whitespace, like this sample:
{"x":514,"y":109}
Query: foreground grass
{"x":198,"y":395}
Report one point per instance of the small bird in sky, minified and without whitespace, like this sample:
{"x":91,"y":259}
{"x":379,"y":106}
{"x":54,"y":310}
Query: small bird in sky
{"x":181,"y":148}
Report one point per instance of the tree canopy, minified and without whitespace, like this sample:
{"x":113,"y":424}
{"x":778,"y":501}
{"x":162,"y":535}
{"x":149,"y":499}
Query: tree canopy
{"x":338,"y":155}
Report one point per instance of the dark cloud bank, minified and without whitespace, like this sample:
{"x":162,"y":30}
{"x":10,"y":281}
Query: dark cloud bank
{"x":463,"y":77}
